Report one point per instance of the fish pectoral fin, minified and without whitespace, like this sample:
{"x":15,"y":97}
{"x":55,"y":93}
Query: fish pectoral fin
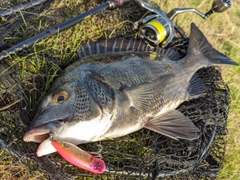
{"x":174,"y":125}
{"x":196,"y":86}
{"x":143,"y":96}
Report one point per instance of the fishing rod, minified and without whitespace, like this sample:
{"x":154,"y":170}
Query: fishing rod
{"x":157,"y":29}
{"x":21,"y":7}
{"x":60,"y":27}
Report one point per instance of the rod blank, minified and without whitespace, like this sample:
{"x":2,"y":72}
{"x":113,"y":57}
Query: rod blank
{"x":64,"y":25}
{"x":21,"y":7}
{"x":54,"y":30}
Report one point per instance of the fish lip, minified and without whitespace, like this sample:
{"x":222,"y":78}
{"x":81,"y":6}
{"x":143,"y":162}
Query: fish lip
{"x":42,"y":132}
{"x":34,"y":136}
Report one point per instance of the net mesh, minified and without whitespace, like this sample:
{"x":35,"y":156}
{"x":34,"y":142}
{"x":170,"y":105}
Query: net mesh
{"x":26,"y":77}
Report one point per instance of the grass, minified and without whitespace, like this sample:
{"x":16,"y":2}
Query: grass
{"x":221,"y":30}
{"x":12,"y":169}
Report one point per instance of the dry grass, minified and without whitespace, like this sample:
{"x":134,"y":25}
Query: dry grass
{"x":12,"y":169}
{"x":221,"y":30}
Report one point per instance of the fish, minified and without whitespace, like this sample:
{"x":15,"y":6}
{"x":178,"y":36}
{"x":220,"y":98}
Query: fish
{"x":134,"y":87}
{"x":78,"y":157}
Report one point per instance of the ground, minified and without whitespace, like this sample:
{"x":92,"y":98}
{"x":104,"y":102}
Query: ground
{"x":221,"y":29}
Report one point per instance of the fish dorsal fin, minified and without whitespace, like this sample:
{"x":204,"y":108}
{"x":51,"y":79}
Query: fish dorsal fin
{"x":169,"y":53}
{"x":143,"y":96}
{"x":109,"y":46}
{"x":198,"y":44}
{"x":174,"y":125}
{"x":112,"y":46}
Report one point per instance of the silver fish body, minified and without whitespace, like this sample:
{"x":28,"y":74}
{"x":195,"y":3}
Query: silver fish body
{"x":108,"y":100}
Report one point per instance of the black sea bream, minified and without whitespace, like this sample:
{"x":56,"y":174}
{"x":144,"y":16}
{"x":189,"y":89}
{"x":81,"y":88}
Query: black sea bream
{"x":92,"y":102}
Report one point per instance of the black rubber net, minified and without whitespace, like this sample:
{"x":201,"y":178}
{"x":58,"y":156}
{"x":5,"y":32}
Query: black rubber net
{"x":140,"y":155}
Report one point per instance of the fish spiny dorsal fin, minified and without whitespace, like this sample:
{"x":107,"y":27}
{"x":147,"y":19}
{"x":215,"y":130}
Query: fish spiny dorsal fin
{"x":198,"y":44}
{"x":124,"y":45}
{"x":112,"y":45}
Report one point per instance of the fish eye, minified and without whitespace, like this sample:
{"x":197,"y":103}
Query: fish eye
{"x":60,"y":97}
{"x":66,"y":145}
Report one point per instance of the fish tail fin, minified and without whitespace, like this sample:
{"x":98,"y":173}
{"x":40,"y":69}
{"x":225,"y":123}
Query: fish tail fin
{"x":198,"y":43}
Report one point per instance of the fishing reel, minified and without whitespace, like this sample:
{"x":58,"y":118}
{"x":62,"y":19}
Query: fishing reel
{"x":159,"y":28}
{"x":155,"y":29}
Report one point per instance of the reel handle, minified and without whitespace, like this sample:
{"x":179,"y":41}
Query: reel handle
{"x":219,"y":6}
{"x":160,"y":28}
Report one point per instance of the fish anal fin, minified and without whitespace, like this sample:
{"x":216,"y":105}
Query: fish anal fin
{"x":142,"y":96}
{"x":196,"y":86}
{"x":174,"y":125}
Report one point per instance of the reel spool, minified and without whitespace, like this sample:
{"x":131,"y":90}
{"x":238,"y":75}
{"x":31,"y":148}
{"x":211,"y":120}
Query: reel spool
{"x":155,"y":31}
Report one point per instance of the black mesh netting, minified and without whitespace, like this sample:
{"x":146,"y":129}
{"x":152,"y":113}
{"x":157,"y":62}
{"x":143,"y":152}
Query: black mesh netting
{"x":144,"y":154}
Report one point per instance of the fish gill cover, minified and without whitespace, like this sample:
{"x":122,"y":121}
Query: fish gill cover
{"x":143,"y":154}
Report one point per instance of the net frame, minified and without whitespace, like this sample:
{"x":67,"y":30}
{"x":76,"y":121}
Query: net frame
{"x":20,"y":94}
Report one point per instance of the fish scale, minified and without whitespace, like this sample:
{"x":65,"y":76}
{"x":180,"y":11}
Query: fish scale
{"x":102,"y":94}
{"x":133,"y":71}
{"x":82,"y":101}
{"x":139,"y":87}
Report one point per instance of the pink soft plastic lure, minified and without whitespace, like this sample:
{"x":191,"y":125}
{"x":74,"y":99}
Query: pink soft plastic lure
{"x":76,"y":156}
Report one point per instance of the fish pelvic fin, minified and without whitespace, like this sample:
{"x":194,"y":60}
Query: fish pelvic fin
{"x":198,"y":43}
{"x":174,"y":125}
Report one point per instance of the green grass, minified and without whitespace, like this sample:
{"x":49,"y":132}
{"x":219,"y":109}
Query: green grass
{"x":220,"y":29}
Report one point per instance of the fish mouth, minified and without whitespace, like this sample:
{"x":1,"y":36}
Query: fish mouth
{"x":42,"y":132}
{"x":36,"y":135}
